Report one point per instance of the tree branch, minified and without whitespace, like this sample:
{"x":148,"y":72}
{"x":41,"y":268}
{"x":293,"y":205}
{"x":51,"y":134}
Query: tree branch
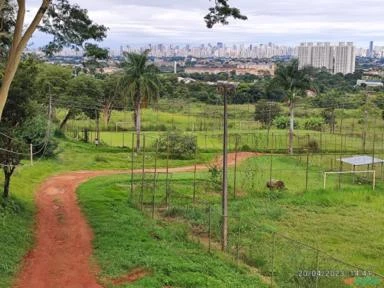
{"x":32,"y":27}
{"x":19,"y":27}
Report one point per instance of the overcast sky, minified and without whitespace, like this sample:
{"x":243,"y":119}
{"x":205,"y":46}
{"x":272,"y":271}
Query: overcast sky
{"x":138,"y":22}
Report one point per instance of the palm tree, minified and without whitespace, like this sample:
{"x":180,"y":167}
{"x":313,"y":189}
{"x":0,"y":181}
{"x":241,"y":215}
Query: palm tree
{"x":141,"y":84}
{"x":294,"y":82}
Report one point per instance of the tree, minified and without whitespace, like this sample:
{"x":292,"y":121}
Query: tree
{"x":113,"y":96}
{"x":294,"y":82}
{"x":69,"y":25}
{"x":266,"y":111}
{"x":7,"y":22}
{"x":51,"y":84}
{"x":83,"y":95}
{"x":331,"y":100}
{"x":94,"y":56}
{"x":141,"y":84}
{"x":24,"y":122}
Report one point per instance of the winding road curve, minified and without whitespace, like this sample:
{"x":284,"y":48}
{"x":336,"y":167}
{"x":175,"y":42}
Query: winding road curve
{"x":63,"y":246}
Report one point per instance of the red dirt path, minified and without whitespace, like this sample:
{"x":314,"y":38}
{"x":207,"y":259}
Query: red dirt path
{"x":63,"y":248}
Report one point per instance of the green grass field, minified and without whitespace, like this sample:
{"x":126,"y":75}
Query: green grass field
{"x":125,"y":240}
{"x":17,"y":217}
{"x":344,"y":223}
{"x":205,"y":122}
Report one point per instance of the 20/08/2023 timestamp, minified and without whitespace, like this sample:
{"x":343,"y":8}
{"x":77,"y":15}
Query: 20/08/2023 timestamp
{"x":333,"y":273}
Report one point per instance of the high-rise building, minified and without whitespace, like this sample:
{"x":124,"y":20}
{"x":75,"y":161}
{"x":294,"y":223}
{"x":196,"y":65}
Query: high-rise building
{"x":336,"y":59}
{"x":322,"y":56}
{"x":305,"y":55}
{"x":370,"y":51}
{"x":344,"y":58}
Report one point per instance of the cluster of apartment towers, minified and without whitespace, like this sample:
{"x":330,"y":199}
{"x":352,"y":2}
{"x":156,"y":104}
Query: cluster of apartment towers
{"x":336,"y":59}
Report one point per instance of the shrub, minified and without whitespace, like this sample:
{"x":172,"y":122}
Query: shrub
{"x":312,"y":146}
{"x":314,"y":123}
{"x":180,"y":146}
{"x":282,"y":122}
{"x":246,"y":148}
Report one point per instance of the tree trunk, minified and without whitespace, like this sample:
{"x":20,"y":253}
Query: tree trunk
{"x":106,"y":114}
{"x":65,"y":120}
{"x":291,"y":127}
{"x":8,"y":171}
{"x":19,"y":43}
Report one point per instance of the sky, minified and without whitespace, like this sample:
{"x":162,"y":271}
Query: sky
{"x":286,"y":22}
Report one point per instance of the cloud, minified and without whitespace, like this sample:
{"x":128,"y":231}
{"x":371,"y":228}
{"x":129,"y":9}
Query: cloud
{"x":288,"y":21}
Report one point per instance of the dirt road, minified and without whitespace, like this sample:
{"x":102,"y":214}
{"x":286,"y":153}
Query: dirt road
{"x":63,"y":246}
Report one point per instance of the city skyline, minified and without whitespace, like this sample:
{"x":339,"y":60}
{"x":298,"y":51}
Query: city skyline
{"x":171,"y":21}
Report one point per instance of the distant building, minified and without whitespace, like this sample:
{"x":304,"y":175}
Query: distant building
{"x":345,"y":58}
{"x":369,"y":83}
{"x":370,"y":51}
{"x":254,"y":69}
{"x":336,"y":59}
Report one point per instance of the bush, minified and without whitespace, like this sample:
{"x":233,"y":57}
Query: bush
{"x":282,"y":122}
{"x":180,"y":146}
{"x":312,"y":146}
{"x":246,"y":148}
{"x":314,"y":123}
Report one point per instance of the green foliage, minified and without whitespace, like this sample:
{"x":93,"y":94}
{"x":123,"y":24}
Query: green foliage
{"x":179,"y":145}
{"x":266,"y":111}
{"x":291,"y":79}
{"x":221,"y":12}
{"x":313,"y":123}
{"x":282,"y":122}
{"x":70,"y":26}
{"x":215,"y":176}
{"x":36,"y":133}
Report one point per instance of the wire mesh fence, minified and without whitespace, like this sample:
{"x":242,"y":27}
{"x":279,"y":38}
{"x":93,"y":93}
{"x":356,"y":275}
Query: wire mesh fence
{"x":193,"y":195}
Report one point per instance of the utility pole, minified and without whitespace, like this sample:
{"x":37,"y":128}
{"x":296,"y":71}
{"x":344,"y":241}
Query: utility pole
{"x":225,"y":88}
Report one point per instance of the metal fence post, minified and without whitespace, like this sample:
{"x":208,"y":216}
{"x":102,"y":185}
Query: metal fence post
{"x":273,"y":257}
{"x":132,"y":156}
{"x":142,"y":176}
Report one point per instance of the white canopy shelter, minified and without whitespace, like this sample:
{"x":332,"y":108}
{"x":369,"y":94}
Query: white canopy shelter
{"x":361,"y":160}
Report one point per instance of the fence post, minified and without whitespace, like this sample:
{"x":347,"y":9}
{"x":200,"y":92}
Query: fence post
{"x":307,"y":168}
{"x":142,"y":175}
{"x":167,"y":176}
{"x":132,"y":156}
{"x":209,"y":227}
{"x":154,"y":182}
{"x":31,"y":153}
{"x":194,"y":177}
{"x":317,"y":268}
{"x":273,"y":257}
{"x":238,"y":244}
{"x":235,"y":168}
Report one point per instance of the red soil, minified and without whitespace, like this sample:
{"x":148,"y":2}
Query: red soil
{"x":63,"y":245}
{"x":133,"y":276}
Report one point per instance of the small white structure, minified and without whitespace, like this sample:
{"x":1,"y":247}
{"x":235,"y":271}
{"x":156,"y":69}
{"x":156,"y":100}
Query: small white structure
{"x":358,"y":161}
{"x":369,"y":83}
